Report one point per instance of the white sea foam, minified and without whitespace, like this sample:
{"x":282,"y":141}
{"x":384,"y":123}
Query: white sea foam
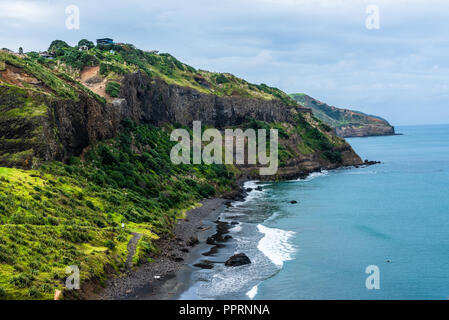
{"x":237,"y":228}
{"x":273,"y":216}
{"x":254,"y":194}
{"x":252,"y":293}
{"x":275,"y":244}
{"x":315,"y":175}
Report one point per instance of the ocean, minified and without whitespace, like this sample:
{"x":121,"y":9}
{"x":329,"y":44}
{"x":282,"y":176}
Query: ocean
{"x":394,"y":215}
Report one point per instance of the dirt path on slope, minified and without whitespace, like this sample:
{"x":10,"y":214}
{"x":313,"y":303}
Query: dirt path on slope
{"x":132,"y":245}
{"x":157,"y":280}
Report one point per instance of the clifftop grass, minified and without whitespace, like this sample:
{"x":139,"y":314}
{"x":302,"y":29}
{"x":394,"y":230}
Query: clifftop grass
{"x":49,"y":80}
{"x":120,"y":59}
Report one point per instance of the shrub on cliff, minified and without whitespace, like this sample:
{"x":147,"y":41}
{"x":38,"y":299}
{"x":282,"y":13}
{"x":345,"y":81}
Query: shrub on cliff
{"x":79,"y":59}
{"x":333,"y":156}
{"x":113,"y":89}
{"x":110,"y":244}
{"x":221,"y":78}
{"x":87,"y":43}
{"x":206,"y":190}
{"x":57,"y":46}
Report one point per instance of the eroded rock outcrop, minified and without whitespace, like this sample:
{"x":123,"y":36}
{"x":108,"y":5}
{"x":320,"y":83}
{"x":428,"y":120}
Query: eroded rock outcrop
{"x":154,"y":101}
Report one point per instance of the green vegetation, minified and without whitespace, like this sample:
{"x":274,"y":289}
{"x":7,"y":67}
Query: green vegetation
{"x":58,"y":45}
{"x":277,"y":93}
{"x":19,"y":103}
{"x":21,"y":112}
{"x":87,"y":43}
{"x":62,"y":214}
{"x":119,"y":59}
{"x":314,"y":139}
{"x":42,"y":73}
{"x":70,"y":214}
{"x":51,"y":82}
{"x":336,"y":117}
{"x":113,"y":89}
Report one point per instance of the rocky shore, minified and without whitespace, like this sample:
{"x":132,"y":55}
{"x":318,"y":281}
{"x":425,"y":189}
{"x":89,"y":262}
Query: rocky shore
{"x":157,"y":280}
{"x":366,"y":130}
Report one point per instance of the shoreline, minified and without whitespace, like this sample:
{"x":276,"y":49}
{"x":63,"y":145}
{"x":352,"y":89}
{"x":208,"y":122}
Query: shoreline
{"x":158,"y":280}
{"x":169,"y":275}
{"x":375,"y":136}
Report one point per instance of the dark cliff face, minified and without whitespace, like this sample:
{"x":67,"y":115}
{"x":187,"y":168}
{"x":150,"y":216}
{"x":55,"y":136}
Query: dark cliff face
{"x":81,"y":123}
{"x":154,"y":101}
{"x":145,"y":100}
{"x":70,"y":126}
{"x":366,"y":130}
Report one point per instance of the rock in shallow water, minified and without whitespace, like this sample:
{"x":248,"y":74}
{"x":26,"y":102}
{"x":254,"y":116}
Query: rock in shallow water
{"x":238,"y":259}
{"x":204,"y":264}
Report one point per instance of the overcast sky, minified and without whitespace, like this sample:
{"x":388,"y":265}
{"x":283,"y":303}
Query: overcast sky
{"x":320,"y":47}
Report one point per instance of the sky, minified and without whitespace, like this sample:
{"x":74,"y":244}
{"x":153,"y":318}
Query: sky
{"x":399,"y":71}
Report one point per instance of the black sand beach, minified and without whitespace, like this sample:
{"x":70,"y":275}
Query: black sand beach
{"x":159,"y":280}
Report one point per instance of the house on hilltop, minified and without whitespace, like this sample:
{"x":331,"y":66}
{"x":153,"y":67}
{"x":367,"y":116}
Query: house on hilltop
{"x":105,"y":41}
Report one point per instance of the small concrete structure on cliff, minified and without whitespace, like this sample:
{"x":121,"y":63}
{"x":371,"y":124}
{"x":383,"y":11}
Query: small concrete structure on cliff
{"x":46,"y":55}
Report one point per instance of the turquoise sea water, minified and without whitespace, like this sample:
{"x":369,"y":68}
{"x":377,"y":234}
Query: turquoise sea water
{"x":346,"y":220}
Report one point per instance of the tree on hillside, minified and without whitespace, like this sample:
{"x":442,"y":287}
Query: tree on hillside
{"x":57,"y":45}
{"x":87,"y":43}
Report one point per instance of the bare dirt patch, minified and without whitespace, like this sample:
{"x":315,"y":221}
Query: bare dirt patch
{"x":16,"y":76}
{"x":90,"y":77}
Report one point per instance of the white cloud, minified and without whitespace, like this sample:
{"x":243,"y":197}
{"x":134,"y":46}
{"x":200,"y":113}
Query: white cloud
{"x":25,"y":11}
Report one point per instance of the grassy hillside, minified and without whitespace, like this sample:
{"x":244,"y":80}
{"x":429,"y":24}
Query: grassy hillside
{"x":71,"y":214}
{"x":61,"y":214}
{"x":117,"y":60}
